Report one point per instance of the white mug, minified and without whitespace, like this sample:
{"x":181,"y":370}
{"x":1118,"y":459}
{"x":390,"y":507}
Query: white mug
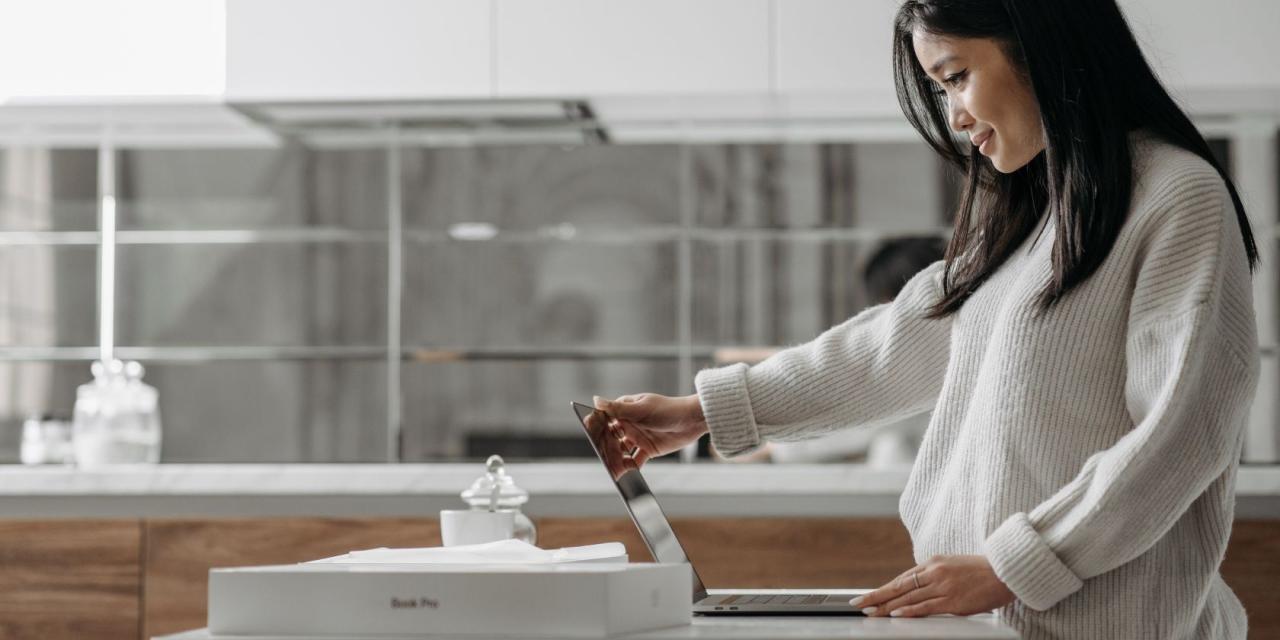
{"x":472,"y":526}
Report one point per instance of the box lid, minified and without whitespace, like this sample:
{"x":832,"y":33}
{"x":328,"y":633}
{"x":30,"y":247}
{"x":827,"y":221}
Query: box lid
{"x":567,"y":568}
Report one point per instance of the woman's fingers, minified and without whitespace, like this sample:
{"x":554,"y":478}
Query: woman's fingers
{"x":632,"y":438}
{"x":606,"y":404}
{"x":624,"y":428}
{"x":610,"y":406}
{"x":615,"y":447}
{"x":638,"y":423}
{"x":924,"y":608}
{"x":639,"y":448}
{"x":642,"y":456}
{"x":895,"y":588}
{"x":915,"y":596}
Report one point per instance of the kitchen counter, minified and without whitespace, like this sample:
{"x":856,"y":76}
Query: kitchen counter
{"x":982,"y":626}
{"x":576,"y":488}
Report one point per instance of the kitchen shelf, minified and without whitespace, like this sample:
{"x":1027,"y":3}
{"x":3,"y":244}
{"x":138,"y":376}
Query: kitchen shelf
{"x":667,"y":234}
{"x":564,"y":233}
{"x":193,"y":354}
{"x":409,"y":354}
{"x":49,"y":238}
{"x":201,"y":236}
{"x":469,"y":354}
{"x":417,"y":354}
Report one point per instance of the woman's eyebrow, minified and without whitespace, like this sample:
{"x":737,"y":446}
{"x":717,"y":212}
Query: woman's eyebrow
{"x":938,"y":65}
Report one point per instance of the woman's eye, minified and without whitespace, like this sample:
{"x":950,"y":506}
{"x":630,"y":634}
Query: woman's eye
{"x":955,"y":78}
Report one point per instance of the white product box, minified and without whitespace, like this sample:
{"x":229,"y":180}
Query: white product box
{"x":564,"y":600}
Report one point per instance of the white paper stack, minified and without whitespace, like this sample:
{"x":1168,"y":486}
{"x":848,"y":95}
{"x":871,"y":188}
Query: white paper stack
{"x":501,"y":552}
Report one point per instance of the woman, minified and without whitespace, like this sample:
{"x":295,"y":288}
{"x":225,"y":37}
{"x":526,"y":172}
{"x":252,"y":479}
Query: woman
{"x":1087,"y":345}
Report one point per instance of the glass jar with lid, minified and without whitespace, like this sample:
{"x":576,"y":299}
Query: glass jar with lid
{"x":116,"y":419}
{"x":497,"y":491}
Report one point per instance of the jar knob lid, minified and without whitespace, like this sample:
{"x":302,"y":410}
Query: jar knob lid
{"x":495,"y":465}
{"x":495,"y":487}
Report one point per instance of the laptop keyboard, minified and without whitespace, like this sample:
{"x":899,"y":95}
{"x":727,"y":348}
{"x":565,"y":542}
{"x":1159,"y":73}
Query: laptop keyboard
{"x":782,"y":599}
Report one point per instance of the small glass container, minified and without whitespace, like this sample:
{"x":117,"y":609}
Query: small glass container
{"x":47,"y":440}
{"x":497,"y":491}
{"x":116,"y":418}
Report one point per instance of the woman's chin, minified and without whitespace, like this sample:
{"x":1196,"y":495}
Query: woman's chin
{"x":1004,"y":164}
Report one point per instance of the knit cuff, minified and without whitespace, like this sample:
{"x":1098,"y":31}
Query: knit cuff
{"x":723,"y":394}
{"x":1026,"y":564}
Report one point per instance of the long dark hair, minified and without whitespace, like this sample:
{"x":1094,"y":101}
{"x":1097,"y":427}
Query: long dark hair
{"x":1093,"y":86}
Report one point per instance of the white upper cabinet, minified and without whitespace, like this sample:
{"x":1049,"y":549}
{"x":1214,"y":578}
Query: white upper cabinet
{"x":73,"y":50}
{"x":778,"y":53}
{"x":631,"y":47}
{"x":1200,"y":45}
{"x":834,"y":45}
{"x":846,"y":45}
{"x":358,"y":49}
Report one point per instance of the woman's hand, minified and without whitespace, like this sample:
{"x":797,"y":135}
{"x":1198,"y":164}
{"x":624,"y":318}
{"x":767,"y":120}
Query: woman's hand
{"x":650,"y":425}
{"x":959,"y":585}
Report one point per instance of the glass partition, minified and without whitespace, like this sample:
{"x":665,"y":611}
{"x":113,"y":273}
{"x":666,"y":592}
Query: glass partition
{"x":404,"y":302}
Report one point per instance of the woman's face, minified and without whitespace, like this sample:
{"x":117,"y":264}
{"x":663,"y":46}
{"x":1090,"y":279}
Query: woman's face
{"x":986,"y":97}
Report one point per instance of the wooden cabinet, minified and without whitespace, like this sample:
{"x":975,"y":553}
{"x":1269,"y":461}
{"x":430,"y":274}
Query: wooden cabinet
{"x":762,"y":553}
{"x":729,"y":552}
{"x":130,"y":579}
{"x":179,"y":554}
{"x":70,"y":579}
{"x":742,"y":552}
{"x":1251,"y":569}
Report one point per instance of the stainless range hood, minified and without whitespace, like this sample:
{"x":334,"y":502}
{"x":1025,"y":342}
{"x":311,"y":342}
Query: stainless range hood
{"x":436,"y":122}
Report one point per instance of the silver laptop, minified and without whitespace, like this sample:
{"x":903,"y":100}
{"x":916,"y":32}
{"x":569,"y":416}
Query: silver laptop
{"x":665,"y":547}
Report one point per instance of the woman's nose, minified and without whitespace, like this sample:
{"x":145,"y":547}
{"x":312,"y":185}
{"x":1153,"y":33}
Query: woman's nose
{"x":960,"y":120}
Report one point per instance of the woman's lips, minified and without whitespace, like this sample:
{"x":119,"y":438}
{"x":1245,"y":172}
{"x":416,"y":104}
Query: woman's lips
{"x":981,"y":141}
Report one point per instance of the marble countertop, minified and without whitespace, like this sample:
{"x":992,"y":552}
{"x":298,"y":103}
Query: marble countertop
{"x":556,"y":489}
{"x":576,"y":478}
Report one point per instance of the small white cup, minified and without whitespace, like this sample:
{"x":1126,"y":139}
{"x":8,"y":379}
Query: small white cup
{"x":470,"y":526}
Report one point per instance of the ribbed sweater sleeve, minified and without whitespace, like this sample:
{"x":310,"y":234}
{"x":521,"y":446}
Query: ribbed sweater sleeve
{"x":1191,"y":368}
{"x":884,"y":363}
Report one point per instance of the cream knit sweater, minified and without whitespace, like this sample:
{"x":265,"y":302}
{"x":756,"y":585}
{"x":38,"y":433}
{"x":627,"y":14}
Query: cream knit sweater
{"x":1089,"y":453}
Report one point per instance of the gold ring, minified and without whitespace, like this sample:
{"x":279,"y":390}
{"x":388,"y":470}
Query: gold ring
{"x":915,"y":577}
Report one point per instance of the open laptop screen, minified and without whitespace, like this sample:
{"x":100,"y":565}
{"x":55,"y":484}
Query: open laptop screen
{"x":643,"y":507}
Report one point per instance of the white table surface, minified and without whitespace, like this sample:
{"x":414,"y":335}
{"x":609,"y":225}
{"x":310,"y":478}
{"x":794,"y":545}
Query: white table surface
{"x":984,"y":626}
